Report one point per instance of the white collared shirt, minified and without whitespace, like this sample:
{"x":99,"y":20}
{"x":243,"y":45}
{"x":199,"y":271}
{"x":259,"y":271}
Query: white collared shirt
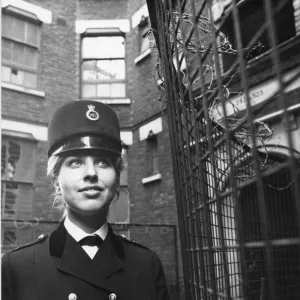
{"x":78,"y":234}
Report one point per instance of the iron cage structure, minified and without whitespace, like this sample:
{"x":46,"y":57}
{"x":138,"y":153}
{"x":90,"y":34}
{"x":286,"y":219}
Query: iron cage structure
{"x":229,"y":71}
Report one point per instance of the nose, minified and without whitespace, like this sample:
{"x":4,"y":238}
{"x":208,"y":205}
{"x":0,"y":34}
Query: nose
{"x":90,"y":170}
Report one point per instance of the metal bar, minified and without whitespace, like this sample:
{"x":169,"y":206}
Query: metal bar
{"x":281,"y":100}
{"x":260,"y":194}
{"x":282,"y":104}
{"x":210,"y":145}
{"x":202,"y":181}
{"x":164,"y":42}
{"x":227,"y":136}
{"x":195,"y":277}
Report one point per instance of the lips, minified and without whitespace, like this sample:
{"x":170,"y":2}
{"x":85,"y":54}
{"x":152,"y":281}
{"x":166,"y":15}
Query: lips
{"x":91,"y":189}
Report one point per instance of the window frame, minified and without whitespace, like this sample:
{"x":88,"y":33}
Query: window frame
{"x":29,"y":184}
{"x":102,"y":32}
{"x":28,"y":18}
{"x":113,"y":216}
{"x":227,"y":28}
{"x":152,"y":157}
{"x":143,"y":27}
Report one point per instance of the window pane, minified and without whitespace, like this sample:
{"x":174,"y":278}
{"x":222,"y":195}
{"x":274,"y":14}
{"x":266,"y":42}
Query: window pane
{"x":17,"y":77}
{"x":18,"y":55}
{"x":5,"y":73}
{"x":30,"y":80}
{"x":18,"y":159}
{"x":32,"y":34}
{"x":16,"y":200}
{"x":103,"y":70}
{"x":118,"y":90}
{"x":103,"y":47}
{"x":103,"y":90}
{"x":111,"y":69}
{"x":117,"y":46}
{"x":118,"y":68}
{"x":18,"y":29}
{"x":119,"y":209}
{"x":89,"y":70}
{"x":31,"y":57}
{"x":7,"y":29}
{"x":122,"y":206}
{"x":155,"y":164}
{"x":6,"y":49}
{"x":88,"y":90}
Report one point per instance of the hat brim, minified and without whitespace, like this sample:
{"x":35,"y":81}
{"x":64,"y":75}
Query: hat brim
{"x":81,"y":143}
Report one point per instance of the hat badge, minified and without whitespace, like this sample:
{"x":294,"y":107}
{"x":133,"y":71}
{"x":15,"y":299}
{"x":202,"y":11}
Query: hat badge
{"x":91,"y":114}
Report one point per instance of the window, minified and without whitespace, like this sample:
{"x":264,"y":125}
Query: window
{"x":17,"y":177}
{"x":103,"y":67}
{"x":151,"y":155}
{"x":119,"y":208}
{"x":144,"y":27}
{"x":252,"y":17}
{"x":20,"y":49}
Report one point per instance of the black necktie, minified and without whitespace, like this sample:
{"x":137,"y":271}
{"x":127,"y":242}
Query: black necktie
{"x":92,"y":240}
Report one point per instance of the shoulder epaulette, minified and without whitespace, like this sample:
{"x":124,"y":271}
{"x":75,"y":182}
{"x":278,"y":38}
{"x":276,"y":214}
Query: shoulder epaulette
{"x":124,"y":238}
{"x":41,"y":238}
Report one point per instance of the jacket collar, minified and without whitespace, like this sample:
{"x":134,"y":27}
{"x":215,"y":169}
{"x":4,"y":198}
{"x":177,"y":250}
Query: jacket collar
{"x":58,"y":240}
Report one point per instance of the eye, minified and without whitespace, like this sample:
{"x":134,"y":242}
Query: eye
{"x":74,"y":162}
{"x":103,"y":162}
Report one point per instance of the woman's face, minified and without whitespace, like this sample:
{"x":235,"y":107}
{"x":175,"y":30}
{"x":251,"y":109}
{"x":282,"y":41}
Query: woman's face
{"x":88,"y":183}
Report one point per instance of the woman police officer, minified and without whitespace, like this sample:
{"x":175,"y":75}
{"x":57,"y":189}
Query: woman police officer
{"x":83,"y":258}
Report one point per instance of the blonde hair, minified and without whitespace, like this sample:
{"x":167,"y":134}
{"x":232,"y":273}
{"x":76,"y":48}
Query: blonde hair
{"x":53,"y":167}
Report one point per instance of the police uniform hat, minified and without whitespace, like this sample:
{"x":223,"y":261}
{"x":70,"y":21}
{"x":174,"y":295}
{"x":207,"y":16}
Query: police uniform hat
{"x":84,"y":124}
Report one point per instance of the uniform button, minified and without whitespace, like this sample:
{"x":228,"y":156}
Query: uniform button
{"x":72,"y":296}
{"x":112,"y":296}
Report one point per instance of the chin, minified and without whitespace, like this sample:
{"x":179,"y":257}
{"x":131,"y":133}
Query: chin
{"x":89,"y":211}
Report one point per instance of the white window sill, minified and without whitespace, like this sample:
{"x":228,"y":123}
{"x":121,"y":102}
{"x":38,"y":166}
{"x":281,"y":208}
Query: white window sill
{"x":142,"y":56}
{"x":151,"y":178}
{"x":23,"y":89}
{"x":112,"y":100}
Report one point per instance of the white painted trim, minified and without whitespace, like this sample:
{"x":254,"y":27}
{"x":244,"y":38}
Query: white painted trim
{"x":126,"y":137}
{"x":136,"y":17}
{"x":112,"y":101}
{"x":155,"y":126}
{"x":277,"y":113}
{"x":22,"y":89}
{"x":40,"y":133}
{"x":44,"y":15}
{"x":151,"y":178}
{"x":142,"y":56}
{"x":82,"y":25}
{"x":257,"y":94}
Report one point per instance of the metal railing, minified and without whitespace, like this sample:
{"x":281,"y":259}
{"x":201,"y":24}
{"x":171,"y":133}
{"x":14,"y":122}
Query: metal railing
{"x":229,"y":72}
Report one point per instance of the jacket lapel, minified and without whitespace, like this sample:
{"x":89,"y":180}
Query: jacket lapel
{"x":108,"y":258}
{"x":75,"y":262}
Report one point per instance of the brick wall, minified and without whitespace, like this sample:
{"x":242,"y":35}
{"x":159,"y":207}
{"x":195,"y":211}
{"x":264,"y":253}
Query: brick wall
{"x":103,"y":9}
{"x":57,"y":65}
{"x":59,"y":79}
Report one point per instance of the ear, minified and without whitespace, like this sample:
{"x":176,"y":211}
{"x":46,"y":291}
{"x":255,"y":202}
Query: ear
{"x":56,"y":186}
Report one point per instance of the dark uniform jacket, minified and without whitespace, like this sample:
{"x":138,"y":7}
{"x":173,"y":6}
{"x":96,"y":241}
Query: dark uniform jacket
{"x":55,"y":267}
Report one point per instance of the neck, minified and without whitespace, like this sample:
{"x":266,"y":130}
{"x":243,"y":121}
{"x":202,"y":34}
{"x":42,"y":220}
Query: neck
{"x":88,"y":223}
